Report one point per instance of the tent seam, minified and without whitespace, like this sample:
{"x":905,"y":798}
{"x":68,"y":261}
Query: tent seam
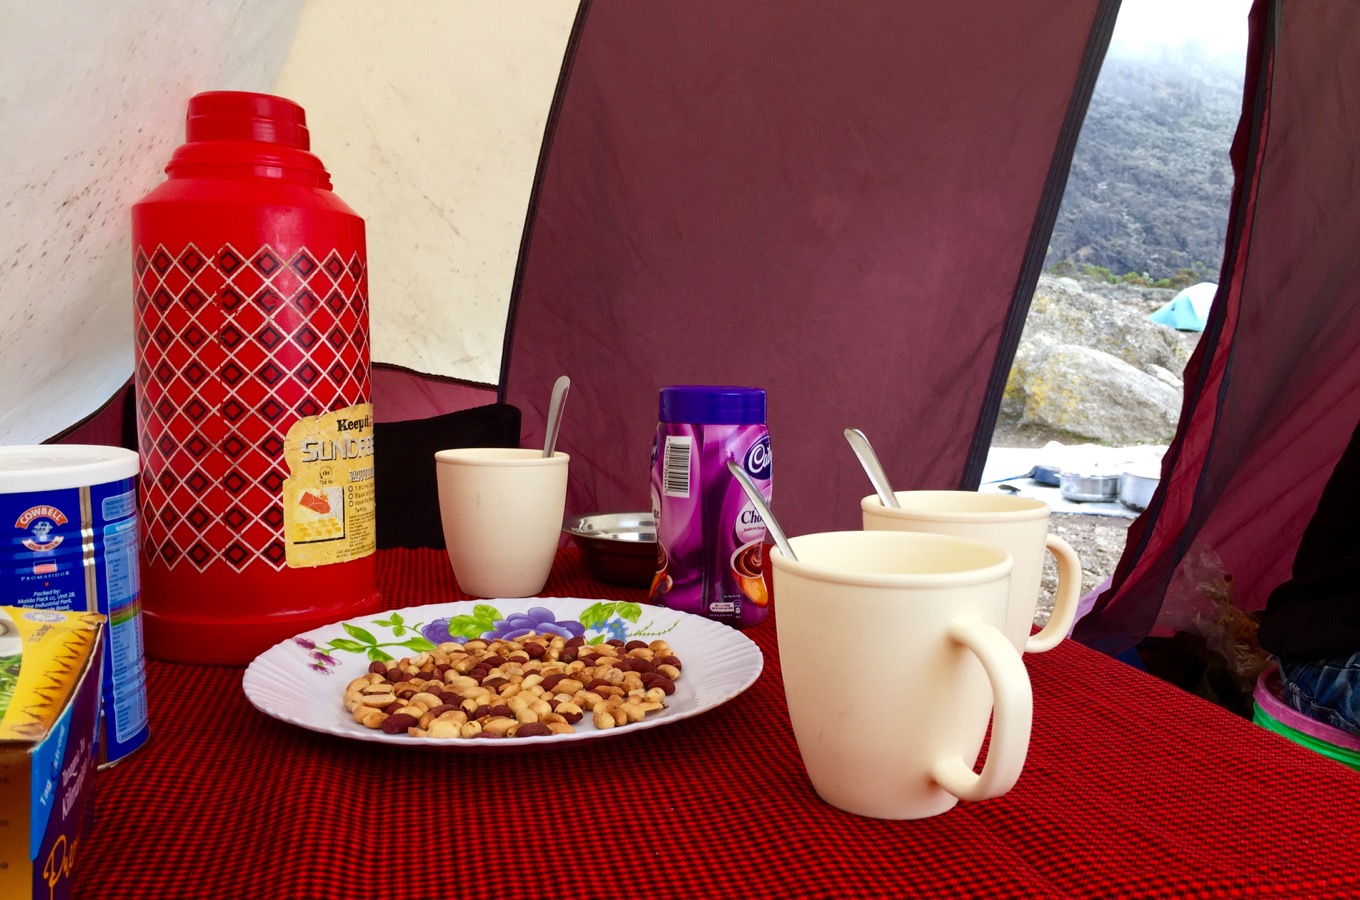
{"x":544,"y":154}
{"x":1242,"y":248}
{"x":1238,"y":246}
{"x":427,"y":376}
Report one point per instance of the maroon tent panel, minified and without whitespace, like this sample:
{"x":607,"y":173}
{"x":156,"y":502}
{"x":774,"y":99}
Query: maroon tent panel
{"x":844,"y":204}
{"x":848,"y":205}
{"x":1273,"y":391}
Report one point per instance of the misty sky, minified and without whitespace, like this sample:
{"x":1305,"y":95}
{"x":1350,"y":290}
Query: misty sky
{"x":1217,"y":27}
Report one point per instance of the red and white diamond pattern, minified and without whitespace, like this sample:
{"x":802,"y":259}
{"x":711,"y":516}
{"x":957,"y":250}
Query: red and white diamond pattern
{"x":233,"y":347}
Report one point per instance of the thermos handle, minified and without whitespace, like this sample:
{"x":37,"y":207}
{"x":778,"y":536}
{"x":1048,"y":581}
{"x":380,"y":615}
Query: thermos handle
{"x":1013,"y":711}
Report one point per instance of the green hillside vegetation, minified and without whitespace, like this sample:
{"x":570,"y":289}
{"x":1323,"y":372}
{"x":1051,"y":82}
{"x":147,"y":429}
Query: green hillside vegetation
{"x":1149,"y":191}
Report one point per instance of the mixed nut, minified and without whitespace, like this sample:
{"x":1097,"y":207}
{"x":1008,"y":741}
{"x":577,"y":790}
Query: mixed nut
{"x":535,"y":685}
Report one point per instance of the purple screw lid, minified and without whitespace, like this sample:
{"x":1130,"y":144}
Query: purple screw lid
{"x":712,"y":405}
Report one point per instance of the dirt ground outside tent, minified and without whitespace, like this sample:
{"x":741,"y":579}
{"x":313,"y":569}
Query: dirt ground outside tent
{"x":1098,"y":540}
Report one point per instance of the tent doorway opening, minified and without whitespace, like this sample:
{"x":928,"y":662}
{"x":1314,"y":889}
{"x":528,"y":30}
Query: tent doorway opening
{"x":1131,"y":269}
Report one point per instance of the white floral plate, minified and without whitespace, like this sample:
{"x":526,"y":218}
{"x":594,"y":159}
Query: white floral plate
{"x":301,"y":681}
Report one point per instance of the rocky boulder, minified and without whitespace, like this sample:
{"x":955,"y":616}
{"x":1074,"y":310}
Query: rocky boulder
{"x":1092,"y":394}
{"x":1092,"y":364}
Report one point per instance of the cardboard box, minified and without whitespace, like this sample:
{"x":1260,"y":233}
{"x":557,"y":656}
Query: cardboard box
{"x":49,"y":717}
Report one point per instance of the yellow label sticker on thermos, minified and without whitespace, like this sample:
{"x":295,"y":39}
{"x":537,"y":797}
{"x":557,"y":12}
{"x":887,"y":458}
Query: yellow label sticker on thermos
{"x":328,"y":500}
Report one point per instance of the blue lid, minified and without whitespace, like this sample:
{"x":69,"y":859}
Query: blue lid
{"x":712,"y":405}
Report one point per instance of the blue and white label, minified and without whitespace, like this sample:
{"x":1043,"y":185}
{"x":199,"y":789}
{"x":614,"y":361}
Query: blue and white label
{"x":77,"y":549}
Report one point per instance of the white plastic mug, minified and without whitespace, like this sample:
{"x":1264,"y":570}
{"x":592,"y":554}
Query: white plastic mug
{"x":893,"y":661}
{"x":501,"y":509}
{"x":1019,"y":525}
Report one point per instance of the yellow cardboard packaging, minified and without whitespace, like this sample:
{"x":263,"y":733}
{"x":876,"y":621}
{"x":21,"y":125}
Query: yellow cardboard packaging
{"x":50,"y":664}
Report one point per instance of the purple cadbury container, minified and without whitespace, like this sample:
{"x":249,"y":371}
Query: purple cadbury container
{"x":710,"y":539}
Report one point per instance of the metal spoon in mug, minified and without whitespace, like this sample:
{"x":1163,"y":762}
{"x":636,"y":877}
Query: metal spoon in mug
{"x":559,"y":399}
{"x":763,"y":508}
{"x":872,"y":467}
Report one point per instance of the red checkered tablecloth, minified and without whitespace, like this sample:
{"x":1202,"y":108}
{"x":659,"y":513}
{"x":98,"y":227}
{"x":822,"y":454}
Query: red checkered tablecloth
{"x":1132,"y":789}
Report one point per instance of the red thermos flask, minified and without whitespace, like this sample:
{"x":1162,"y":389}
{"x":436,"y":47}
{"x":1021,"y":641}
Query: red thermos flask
{"x":254,"y":400}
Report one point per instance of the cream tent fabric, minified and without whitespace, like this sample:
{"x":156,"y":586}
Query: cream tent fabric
{"x":429,"y":116}
{"x":91,"y":104}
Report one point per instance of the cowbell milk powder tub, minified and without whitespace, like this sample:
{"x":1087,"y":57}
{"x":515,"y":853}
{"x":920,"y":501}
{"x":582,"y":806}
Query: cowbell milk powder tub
{"x":69,"y":518}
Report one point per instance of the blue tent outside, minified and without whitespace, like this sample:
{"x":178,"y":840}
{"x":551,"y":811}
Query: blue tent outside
{"x":1188,"y":310}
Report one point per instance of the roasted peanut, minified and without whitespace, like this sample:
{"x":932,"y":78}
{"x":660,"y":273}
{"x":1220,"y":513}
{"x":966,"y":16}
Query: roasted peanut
{"x":498,"y":725}
{"x":369,"y":717}
{"x":536,"y":686}
{"x":442,"y":728}
{"x":430,"y":700}
{"x":531,"y":729}
{"x":398,"y":723}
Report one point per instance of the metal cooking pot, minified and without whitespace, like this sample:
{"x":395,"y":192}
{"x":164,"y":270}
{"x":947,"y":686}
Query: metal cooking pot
{"x":1081,"y":487}
{"x":1136,"y":488}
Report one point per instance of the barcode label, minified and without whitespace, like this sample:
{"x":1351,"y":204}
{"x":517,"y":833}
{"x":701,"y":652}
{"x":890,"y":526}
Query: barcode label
{"x":675,"y":471}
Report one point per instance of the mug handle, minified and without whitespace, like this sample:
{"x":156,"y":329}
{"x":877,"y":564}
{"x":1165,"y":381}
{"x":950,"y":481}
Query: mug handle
{"x":1013,"y":712}
{"x":1065,"y":603}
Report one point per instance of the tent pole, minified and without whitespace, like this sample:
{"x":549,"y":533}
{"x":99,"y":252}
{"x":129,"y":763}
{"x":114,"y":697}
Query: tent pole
{"x":544,"y":152}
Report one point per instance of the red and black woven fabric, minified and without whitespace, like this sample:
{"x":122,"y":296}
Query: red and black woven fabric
{"x":1132,"y":789}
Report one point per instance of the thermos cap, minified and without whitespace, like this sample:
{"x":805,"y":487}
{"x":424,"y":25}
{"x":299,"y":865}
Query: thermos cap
{"x":712,"y":405}
{"x":246,"y":116}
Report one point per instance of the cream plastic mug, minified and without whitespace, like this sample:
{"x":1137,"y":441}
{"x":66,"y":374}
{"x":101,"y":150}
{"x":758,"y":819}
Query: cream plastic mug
{"x":1019,"y":525}
{"x":893,"y":661}
{"x":501,"y":509}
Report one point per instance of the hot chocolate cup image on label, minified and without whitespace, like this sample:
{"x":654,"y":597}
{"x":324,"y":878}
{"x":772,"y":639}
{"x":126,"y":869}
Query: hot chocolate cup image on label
{"x":748,"y":569}
{"x":661,"y":582}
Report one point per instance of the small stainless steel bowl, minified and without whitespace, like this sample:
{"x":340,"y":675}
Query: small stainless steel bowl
{"x":1084,"y":488}
{"x":617,"y":548}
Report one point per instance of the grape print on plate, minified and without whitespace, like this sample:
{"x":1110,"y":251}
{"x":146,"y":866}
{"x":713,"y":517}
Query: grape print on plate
{"x":602,"y":621}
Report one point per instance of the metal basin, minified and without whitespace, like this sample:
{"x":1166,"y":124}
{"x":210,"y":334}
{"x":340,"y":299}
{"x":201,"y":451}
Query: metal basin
{"x":1136,"y":489}
{"x":1088,"y":488}
{"x":617,"y":548}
